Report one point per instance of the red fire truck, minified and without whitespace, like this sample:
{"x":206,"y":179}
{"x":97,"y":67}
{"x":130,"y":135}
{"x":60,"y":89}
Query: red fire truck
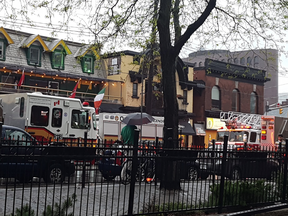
{"x":259,"y":132}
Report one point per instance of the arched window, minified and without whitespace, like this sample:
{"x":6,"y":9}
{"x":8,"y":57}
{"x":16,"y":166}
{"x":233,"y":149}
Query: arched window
{"x":242,"y":61}
{"x":249,"y":61}
{"x":235,"y":60}
{"x":256,"y":61}
{"x":253,"y":103}
{"x":216,"y":98}
{"x":235,"y":100}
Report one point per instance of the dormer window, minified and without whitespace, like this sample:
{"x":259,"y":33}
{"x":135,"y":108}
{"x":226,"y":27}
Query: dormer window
{"x":58,"y":59}
{"x":2,"y":50}
{"x":87,"y":63}
{"x":34,"y":55}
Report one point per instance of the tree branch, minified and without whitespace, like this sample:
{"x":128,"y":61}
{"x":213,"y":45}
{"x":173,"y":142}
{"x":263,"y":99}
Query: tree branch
{"x":193,"y":27}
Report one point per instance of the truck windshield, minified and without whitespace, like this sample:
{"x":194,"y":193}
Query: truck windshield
{"x":221,"y":134}
{"x":78,"y":120}
{"x":237,"y":136}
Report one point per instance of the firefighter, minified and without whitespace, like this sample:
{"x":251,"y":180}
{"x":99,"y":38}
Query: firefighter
{"x":280,"y":141}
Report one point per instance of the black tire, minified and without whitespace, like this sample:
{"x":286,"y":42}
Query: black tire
{"x":235,"y":174}
{"x":108,"y":177}
{"x":54,"y":174}
{"x":193,"y":173}
{"x":126,"y":172}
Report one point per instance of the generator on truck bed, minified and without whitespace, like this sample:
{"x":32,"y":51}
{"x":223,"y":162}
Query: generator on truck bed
{"x":48,"y":117}
{"x":259,"y":132}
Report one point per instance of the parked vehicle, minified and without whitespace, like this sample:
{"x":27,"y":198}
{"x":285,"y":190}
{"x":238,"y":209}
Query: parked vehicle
{"x":239,"y":164}
{"x":23,"y":158}
{"x":48,"y":117}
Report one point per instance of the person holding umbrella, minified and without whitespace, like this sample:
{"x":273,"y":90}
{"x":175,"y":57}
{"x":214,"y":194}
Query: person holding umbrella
{"x":127,"y":134}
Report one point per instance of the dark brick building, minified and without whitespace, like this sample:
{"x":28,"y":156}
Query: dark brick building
{"x":228,"y":87}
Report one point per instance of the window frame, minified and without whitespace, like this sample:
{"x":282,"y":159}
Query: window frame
{"x":28,"y":55}
{"x":135,"y":90}
{"x":253,"y":109}
{"x":185,"y":93}
{"x":249,"y":61}
{"x":256,"y":62}
{"x":4,"y":42}
{"x":242,"y":61}
{"x":62,"y":64}
{"x":236,"y":100}
{"x":216,"y":103}
{"x":53,"y":123}
{"x":92,"y":57}
{"x":34,"y":111}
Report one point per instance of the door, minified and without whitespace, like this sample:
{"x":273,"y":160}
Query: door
{"x":77,"y":123}
{"x":59,"y":120}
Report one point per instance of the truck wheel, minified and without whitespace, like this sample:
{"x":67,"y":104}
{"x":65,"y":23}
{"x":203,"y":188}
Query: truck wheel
{"x":55,"y":174}
{"x":126,"y":172}
{"x":192,"y":173}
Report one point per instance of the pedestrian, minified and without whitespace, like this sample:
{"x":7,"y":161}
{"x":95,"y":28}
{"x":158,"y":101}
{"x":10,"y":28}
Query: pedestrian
{"x":127,"y":134}
{"x":280,"y":141}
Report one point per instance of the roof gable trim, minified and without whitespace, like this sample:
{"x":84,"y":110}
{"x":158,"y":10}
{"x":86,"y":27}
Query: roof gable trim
{"x":6,"y":35}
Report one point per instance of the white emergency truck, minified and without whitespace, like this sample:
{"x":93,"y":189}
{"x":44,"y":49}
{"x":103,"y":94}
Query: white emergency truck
{"x":49,"y":117}
{"x":259,"y":132}
{"x":110,"y":126}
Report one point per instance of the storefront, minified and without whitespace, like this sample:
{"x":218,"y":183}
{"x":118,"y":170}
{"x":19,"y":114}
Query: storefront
{"x":212,"y":125}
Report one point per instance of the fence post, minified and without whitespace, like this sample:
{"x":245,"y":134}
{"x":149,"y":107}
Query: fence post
{"x":134,"y":172}
{"x":213,"y":161}
{"x":285,"y":173}
{"x":221,"y":192}
{"x":84,"y":161}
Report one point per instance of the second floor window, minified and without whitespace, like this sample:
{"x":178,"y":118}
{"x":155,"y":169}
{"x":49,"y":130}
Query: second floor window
{"x":253,"y":103}
{"x":88,"y":64}
{"x":185,"y":97}
{"x":34,"y":56}
{"x":215,"y":96}
{"x":2,"y":50}
{"x":135,"y":90}
{"x":57,"y":60}
{"x":235,"y":100}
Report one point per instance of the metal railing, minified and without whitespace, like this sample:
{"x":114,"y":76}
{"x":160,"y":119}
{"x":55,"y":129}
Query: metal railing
{"x":12,"y":88}
{"x":132,"y":180}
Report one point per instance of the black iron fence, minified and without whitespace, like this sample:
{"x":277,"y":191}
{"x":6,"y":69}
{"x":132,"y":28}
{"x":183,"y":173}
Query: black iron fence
{"x":61,"y":179}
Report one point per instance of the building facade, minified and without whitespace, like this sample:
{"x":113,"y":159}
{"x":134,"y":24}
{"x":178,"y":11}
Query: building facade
{"x":260,"y":59}
{"x":227,"y":88}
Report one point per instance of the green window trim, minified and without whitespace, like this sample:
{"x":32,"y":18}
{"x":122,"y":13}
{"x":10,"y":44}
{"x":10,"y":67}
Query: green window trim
{"x":37,"y":50}
{"x":87,"y":64}
{"x":58,"y":59}
{"x":3,"y":45}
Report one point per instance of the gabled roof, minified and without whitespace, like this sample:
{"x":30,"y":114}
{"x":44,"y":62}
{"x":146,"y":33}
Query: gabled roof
{"x":26,"y":43}
{"x":85,"y":49}
{"x":10,"y":41}
{"x":54,"y":44}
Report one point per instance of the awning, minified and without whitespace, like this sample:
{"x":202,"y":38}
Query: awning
{"x":186,"y":129}
{"x":200,"y":129}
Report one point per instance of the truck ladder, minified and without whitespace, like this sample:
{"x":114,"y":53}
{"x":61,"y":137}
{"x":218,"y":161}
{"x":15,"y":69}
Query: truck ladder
{"x":241,"y":119}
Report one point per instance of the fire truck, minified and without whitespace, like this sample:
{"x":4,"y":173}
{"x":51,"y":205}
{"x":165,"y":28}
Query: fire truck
{"x":48,"y":117}
{"x":259,"y":132}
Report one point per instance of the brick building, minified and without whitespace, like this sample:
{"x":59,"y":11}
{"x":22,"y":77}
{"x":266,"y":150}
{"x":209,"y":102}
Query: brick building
{"x":228,"y":87}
